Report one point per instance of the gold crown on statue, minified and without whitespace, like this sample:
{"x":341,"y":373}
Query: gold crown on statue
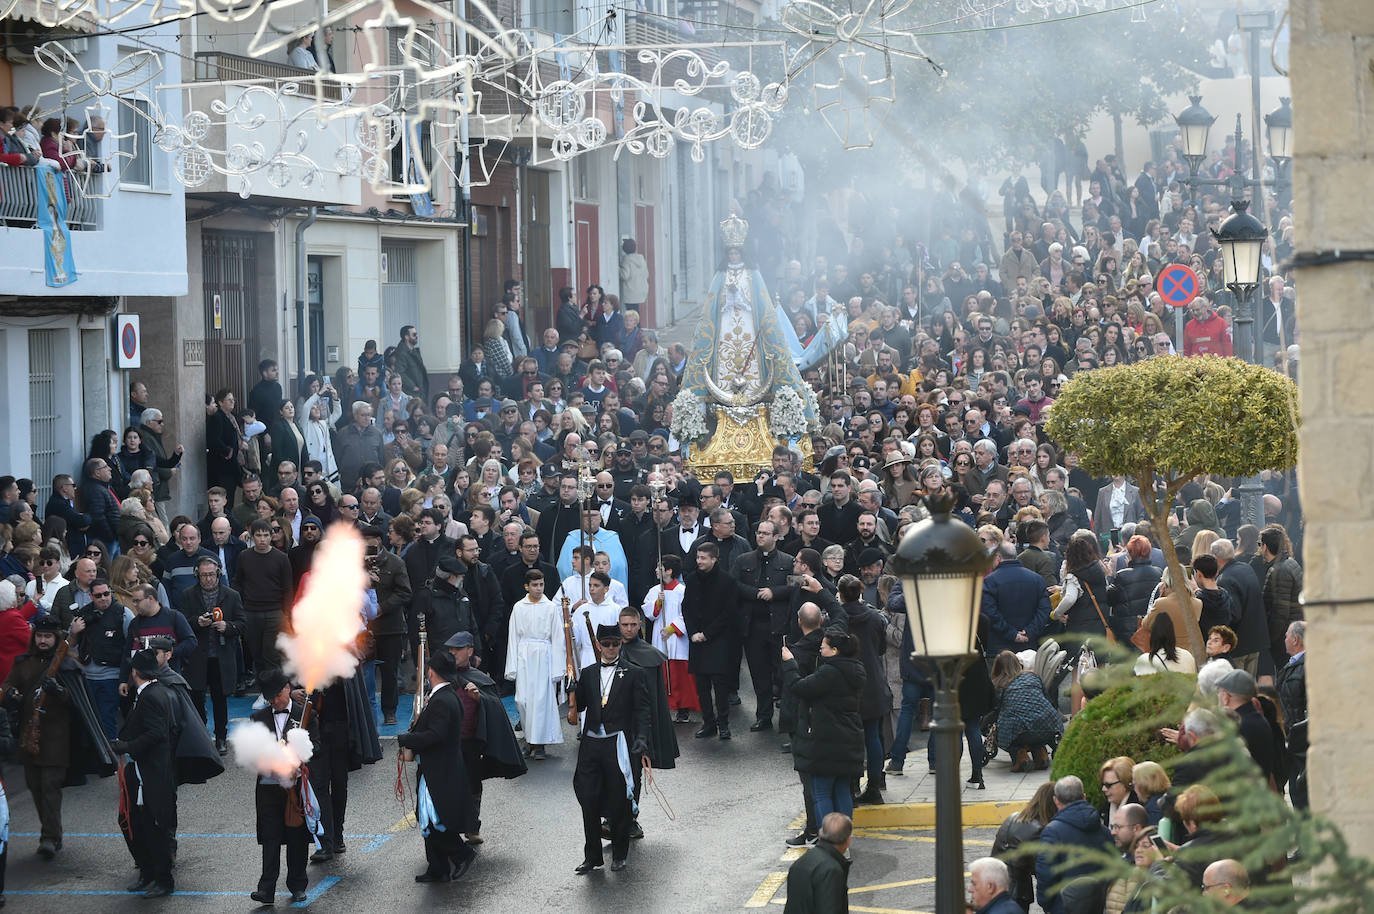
{"x":734,"y":230}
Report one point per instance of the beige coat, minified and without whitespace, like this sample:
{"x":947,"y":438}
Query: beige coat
{"x":1170,"y":604}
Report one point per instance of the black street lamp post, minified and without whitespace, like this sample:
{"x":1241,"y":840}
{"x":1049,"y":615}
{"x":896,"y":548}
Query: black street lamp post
{"x":941,"y":562}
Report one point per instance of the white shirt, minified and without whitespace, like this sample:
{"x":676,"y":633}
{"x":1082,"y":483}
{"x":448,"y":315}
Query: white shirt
{"x":1118,"y":504}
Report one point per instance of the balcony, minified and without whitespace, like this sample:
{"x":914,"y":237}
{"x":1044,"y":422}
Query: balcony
{"x":19,"y":200}
{"x":217,"y":66}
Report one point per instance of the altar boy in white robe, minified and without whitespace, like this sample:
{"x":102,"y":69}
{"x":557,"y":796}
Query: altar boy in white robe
{"x":536,"y":662}
{"x":663,"y":607}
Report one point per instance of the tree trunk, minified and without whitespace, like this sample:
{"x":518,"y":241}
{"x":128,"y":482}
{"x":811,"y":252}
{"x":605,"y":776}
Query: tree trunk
{"x":1159,"y":523}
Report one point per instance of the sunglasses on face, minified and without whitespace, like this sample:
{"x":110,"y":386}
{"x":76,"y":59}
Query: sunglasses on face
{"x":93,"y":553}
{"x":142,"y":543}
{"x":609,"y":643}
{"x":276,"y":529}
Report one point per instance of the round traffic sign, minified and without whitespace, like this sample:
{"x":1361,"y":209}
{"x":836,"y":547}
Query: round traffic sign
{"x":1178,"y":285}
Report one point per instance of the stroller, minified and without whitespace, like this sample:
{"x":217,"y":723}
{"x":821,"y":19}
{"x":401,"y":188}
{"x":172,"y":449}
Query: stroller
{"x":1053,"y":665}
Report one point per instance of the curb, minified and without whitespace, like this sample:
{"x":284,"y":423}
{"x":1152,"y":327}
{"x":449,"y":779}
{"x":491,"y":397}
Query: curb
{"x":922,"y":815}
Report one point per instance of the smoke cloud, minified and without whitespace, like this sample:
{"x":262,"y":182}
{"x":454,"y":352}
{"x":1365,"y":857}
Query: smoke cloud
{"x":327,"y":619}
{"x":257,"y":749}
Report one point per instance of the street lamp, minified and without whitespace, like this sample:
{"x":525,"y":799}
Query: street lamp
{"x":1194,"y":123}
{"x":1241,"y":239}
{"x":941,"y":562}
{"x":1279,"y":125}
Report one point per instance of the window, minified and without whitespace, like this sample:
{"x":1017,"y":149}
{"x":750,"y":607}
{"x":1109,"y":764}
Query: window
{"x":552,"y":16}
{"x":136,"y":143}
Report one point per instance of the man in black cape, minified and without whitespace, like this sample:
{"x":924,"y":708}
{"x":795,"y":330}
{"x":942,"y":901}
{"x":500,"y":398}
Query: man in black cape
{"x":195,"y":756}
{"x":279,"y":821}
{"x":148,"y":737}
{"x":615,"y":740}
{"x":444,"y":805}
{"x":663,"y":748}
{"x":490,"y":746}
{"x":348,"y":740}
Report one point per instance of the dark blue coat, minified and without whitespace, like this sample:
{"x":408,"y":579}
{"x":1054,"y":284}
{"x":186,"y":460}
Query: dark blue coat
{"x":1077,"y":825}
{"x":1014,"y":599}
{"x":101,"y":505}
{"x":76,"y":522}
{"x":1002,"y":904}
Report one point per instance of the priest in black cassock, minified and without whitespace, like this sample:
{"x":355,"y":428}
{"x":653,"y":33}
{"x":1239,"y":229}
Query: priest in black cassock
{"x":663,"y":748}
{"x":444,"y":807}
{"x":615,"y":739}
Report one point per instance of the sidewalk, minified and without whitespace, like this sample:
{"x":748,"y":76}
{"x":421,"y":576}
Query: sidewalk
{"x":911,"y":797}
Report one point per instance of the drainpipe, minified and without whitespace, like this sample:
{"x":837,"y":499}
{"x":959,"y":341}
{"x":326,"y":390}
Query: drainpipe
{"x":301,"y":328}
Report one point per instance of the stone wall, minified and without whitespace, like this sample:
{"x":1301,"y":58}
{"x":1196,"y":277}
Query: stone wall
{"x":1333,"y":102}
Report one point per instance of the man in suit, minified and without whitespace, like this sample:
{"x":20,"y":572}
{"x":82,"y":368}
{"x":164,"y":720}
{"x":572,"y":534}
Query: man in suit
{"x":149,"y":737}
{"x":225,"y":546}
{"x":1117,"y":505}
{"x":761,"y":579}
{"x":615,"y":696}
{"x":62,"y":503}
{"x":271,"y":796}
{"x":436,"y":739}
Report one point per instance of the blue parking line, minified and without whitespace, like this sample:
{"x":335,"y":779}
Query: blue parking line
{"x":374,"y":842}
{"x":314,"y":893}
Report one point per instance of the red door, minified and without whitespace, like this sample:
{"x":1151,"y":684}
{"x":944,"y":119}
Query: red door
{"x":588,"y":252}
{"x":644,"y":239}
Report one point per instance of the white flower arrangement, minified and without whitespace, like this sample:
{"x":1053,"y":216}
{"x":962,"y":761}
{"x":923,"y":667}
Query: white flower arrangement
{"x":787,"y":414}
{"x":689,"y":417}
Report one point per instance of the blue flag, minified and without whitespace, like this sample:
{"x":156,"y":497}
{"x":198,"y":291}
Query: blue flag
{"x":59,"y":268}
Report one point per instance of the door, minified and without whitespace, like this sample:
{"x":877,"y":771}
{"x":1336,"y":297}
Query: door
{"x":644,"y":240}
{"x":587,"y":245}
{"x":540,"y":299}
{"x":44,"y":410}
{"x":400,"y":290}
{"x":229,"y":261}
{"x":314,"y":304}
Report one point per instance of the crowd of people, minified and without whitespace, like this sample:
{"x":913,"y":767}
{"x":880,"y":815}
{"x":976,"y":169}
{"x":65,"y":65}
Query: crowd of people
{"x":544,"y":480}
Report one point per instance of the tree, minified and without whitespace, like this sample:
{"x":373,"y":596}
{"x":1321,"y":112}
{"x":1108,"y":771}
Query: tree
{"x":1173,"y":418}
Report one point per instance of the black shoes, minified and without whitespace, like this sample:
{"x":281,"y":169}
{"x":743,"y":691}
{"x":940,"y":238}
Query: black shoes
{"x":388,"y":720}
{"x":805,"y":839}
{"x":870,"y":797}
{"x":617,"y":865}
{"x":427,"y":877}
{"x":785,"y":747}
{"x":461,"y":867}
{"x":161,"y":891}
{"x":263,"y":898}
{"x":763,"y":723}
{"x":47,"y":850}
{"x":140,"y":886}
{"x":297,"y":897}
{"x":734,"y":699}
{"x":682,"y":718}
{"x":724,"y":732}
{"x":707,"y":730}
{"x":585,"y":867}
{"x":635,"y":830}
{"x":323,"y":855}
{"x":222,"y":747}
{"x":976,"y":782}
{"x":339,"y":846}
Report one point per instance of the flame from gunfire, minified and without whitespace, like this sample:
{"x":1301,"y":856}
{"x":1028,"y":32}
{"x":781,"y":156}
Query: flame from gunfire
{"x":326,"y":619}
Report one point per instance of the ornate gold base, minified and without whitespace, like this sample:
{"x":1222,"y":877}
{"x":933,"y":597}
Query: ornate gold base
{"x":742,"y":448}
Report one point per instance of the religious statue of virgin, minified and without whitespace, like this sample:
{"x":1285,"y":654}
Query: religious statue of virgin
{"x":741,"y":391}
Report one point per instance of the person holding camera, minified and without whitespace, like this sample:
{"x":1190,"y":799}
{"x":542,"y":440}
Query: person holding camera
{"x":216,"y":615}
{"x":390,"y":588}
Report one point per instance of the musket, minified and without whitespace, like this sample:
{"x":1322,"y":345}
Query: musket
{"x":571,"y":671}
{"x":421,"y":680}
{"x":29,"y":743}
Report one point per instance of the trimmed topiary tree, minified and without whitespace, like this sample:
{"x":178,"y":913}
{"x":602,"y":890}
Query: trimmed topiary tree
{"x":1123,"y":720}
{"x":1174,"y":417}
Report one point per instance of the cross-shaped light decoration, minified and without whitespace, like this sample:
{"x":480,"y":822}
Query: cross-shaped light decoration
{"x":855,"y":106}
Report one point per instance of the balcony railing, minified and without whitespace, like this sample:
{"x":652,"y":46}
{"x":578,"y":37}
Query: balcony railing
{"x":19,"y":200}
{"x":217,"y":66}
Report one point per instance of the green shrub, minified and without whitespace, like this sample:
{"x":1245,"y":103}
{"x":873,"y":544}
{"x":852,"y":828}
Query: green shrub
{"x":1123,"y":720}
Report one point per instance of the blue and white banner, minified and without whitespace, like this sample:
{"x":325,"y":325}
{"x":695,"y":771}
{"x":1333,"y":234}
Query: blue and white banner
{"x":59,"y":268}
{"x":831,"y":335}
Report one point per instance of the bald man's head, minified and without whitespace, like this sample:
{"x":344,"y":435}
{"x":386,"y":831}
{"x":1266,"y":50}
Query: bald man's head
{"x":809,"y":618}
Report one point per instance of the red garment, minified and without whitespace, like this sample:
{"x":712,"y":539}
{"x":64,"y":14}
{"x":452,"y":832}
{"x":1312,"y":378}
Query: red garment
{"x":682,"y":687}
{"x":14,"y":639}
{"x":1208,"y":337}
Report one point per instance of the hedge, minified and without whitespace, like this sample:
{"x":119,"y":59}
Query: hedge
{"x":1123,"y":720}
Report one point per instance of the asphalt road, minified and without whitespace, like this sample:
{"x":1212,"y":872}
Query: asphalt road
{"x":732,"y":805}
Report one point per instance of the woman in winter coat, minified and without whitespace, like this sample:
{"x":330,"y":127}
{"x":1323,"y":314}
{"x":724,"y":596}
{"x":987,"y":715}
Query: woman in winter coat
{"x":1026,"y":721}
{"x":1023,"y":828}
{"x":288,"y":443}
{"x":1131,"y":588}
{"x":870,"y":627}
{"x":1082,"y":608}
{"x":828,"y":745}
{"x":321,"y":412}
{"x":134,"y":456}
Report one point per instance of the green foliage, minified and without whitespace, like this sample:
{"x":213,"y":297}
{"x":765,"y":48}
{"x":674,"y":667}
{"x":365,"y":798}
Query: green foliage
{"x":1186,"y":415}
{"x":1124,"y":720}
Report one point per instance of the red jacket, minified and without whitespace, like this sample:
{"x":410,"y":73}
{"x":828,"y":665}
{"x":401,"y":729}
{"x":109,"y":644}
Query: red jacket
{"x":14,"y":639}
{"x":1209,"y":337}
